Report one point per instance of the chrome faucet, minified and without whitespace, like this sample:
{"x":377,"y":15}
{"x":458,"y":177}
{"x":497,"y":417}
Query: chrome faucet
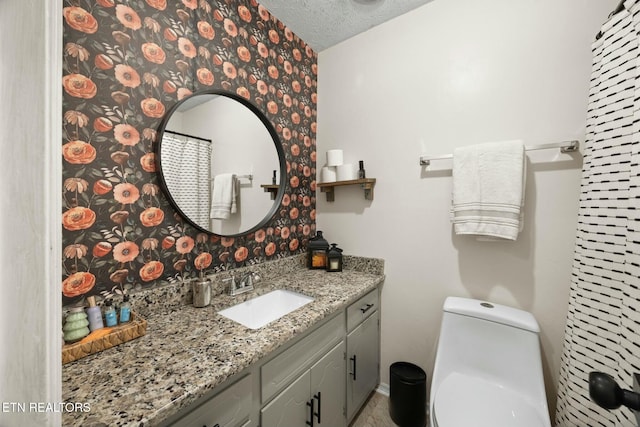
{"x":244,"y":285}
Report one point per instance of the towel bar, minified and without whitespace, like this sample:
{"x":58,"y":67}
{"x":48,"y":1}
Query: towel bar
{"x":248,"y":176}
{"x":564,"y":146}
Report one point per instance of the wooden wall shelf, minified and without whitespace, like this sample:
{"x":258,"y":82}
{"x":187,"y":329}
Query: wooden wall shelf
{"x":366,"y":183}
{"x":271,"y":188}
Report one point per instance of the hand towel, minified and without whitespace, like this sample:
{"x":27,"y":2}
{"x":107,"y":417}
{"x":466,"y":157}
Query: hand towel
{"x":223,"y":201}
{"x":488,"y":189}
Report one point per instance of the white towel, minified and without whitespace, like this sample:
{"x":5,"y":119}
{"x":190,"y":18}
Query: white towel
{"x":488,"y":189}
{"x":223,"y":202}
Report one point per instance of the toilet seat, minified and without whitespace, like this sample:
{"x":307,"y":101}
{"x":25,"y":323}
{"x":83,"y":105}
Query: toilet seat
{"x":463,"y":400}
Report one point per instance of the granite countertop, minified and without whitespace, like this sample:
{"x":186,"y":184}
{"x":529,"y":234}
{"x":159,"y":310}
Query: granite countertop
{"x":188,"y":351}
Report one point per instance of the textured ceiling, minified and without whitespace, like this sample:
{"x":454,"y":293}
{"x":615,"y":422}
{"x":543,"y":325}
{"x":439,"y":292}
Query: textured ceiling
{"x":324,"y":23}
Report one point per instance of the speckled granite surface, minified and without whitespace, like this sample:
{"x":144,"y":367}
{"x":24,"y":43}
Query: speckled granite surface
{"x":188,"y":351}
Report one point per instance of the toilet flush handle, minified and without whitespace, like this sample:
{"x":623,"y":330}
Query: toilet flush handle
{"x":604,"y":390}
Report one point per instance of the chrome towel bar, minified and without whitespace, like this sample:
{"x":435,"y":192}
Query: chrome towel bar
{"x":564,"y":146}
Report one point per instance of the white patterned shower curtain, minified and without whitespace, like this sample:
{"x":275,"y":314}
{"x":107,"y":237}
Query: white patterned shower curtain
{"x":603,"y":322}
{"x":189,"y":176}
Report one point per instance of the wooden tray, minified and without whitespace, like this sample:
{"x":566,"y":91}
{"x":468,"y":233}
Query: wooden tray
{"x":104,"y":338}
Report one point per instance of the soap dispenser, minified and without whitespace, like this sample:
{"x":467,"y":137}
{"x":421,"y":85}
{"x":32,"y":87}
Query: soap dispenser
{"x":125,"y":310}
{"x":317,"y":252}
{"x":95,"y":314}
{"x":110,"y":316}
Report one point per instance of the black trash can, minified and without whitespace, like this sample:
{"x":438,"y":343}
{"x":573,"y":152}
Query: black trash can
{"x":407,"y":395}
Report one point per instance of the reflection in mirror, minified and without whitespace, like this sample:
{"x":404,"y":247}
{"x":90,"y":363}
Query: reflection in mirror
{"x":215,"y":153}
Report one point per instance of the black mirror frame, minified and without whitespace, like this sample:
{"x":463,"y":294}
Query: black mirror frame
{"x":276,"y":141}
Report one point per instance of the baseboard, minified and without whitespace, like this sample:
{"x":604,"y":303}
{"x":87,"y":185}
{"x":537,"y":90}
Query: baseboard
{"x":383,"y":389}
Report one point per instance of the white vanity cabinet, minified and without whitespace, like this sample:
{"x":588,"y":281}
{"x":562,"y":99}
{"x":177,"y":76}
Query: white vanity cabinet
{"x":363,"y":351}
{"x":229,"y":408}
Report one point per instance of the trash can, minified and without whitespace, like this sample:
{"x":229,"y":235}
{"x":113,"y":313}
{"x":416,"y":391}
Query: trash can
{"x":407,"y":395}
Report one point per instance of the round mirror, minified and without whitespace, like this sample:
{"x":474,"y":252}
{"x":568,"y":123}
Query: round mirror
{"x":221,"y":163}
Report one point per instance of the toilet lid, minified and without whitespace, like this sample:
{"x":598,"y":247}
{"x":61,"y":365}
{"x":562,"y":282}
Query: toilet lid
{"x":462,"y":400}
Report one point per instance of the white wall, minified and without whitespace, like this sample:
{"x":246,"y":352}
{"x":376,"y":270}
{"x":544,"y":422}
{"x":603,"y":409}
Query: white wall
{"x":30,"y":237}
{"x":454,"y":73}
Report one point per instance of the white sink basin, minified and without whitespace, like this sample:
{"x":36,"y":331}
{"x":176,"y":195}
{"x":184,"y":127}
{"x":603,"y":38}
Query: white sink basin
{"x":258,"y":311}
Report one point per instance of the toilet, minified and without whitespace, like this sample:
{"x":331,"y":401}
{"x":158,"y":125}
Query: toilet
{"x":488,"y":371}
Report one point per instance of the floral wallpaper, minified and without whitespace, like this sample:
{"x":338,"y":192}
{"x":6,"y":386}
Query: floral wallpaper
{"x":126,"y":62}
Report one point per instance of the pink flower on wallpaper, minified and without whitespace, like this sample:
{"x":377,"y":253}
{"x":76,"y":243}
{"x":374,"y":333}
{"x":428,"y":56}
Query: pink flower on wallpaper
{"x":229,"y":70}
{"x":151,"y":107}
{"x":203,"y":261}
{"x":157,"y":4}
{"x":241,"y":254}
{"x":186,"y":47}
{"x":148,"y":162}
{"x":191,"y":4}
{"x":125,"y":251}
{"x":79,"y":19}
{"x":185,"y":244}
{"x":127,"y":76}
{"x":126,"y":134}
{"x":103,"y":62}
{"x":102,"y":187}
{"x":153,"y":53}
{"x":102,"y":124}
{"x":243,"y":53}
{"x":151,"y":217}
{"x":206,"y":30}
{"x":106,"y":3}
{"x":78,"y":284}
{"x":78,"y":218}
{"x":244,"y":13}
{"x":205,"y":76}
{"x":78,"y":152}
{"x":128,"y":17}
{"x":151,"y":271}
{"x":101,"y":249}
{"x":168,"y":242}
{"x":126,"y":193}
{"x":183,"y":92}
{"x":230,"y":27}
{"x":79,"y":86}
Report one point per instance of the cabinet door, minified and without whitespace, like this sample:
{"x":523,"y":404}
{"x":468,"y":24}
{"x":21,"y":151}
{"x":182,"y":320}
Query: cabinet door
{"x":289,"y":408}
{"x":363,"y":358}
{"x":327,"y":388}
{"x":228,"y":409}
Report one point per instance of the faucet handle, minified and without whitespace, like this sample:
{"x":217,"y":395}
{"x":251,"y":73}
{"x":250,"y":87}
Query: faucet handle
{"x":232,"y":282}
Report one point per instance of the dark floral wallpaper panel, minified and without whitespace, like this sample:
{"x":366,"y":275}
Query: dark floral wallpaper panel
{"x":125,"y":64}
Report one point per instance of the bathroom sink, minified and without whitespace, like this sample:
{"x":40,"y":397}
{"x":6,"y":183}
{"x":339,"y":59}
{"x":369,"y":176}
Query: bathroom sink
{"x":258,"y":311}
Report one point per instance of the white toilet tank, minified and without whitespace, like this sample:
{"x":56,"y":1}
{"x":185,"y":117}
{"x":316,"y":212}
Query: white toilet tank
{"x":487,"y":367}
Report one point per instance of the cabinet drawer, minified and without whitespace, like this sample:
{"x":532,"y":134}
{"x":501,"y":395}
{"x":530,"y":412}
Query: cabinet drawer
{"x":230,"y":408}
{"x":280,"y":371}
{"x":361,"y":309}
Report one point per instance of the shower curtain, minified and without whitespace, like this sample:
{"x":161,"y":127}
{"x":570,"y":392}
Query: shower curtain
{"x":189,"y":176}
{"x":603,"y":322}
